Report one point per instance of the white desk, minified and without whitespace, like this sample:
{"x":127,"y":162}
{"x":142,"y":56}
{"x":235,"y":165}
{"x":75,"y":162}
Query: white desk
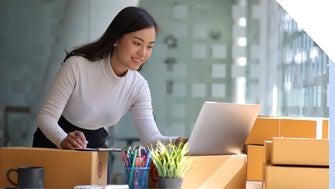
{"x":254,"y":185}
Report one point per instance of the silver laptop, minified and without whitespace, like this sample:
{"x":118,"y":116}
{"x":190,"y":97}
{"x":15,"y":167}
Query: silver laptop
{"x":222,"y":128}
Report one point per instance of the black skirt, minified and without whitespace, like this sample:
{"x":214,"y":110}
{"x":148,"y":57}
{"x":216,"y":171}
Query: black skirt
{"x":95,"y":138}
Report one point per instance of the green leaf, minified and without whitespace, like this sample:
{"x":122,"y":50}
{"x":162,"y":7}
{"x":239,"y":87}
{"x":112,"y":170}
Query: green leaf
{"x":170,"y":160}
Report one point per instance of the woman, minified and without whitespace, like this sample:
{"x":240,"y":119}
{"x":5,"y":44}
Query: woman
{"x":98,"y":83}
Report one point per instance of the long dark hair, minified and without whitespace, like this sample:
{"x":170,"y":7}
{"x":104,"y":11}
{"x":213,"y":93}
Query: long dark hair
{"x":128,"y":20}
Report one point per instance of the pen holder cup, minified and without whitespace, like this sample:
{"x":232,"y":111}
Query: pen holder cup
{"x":137,"y":177}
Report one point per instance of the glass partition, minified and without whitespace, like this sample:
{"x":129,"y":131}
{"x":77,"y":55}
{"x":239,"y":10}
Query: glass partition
{"x":233,"y":51}
{"x":304,"y":72}
{"x":240,"y":51}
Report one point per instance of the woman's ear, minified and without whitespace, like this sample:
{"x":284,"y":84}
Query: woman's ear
{"x":116,"y":43}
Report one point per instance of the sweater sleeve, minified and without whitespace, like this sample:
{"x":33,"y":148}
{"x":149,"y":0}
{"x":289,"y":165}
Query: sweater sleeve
{"x":142,"y":115}
{"x":57,"y":98}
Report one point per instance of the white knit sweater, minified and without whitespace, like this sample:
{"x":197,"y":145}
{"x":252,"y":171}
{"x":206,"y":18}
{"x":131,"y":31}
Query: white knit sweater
{"x":90,"y":96}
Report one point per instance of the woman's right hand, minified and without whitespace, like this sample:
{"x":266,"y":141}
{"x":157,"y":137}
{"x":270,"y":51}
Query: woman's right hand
{"x":73,"y":140}
{"x":181,"y":140}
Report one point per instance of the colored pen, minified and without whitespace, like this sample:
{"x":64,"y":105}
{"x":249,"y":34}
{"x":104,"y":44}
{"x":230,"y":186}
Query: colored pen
{"x":147,"y":163}
{"x":132,"y":167}
{"x":125,"y":159}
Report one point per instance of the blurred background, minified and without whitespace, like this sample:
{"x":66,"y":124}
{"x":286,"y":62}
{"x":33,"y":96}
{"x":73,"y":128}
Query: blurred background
{"x":240,"y":51}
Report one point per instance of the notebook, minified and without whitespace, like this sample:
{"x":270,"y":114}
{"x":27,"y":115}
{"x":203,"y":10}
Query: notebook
{"x":222,"y":128}
{"x":110,"y":149}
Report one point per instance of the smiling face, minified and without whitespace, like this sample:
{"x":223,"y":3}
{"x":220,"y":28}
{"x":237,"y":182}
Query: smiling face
{"x":132,"y":50}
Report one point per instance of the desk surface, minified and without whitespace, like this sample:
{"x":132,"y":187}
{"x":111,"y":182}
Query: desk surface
{"x":254,"y":185}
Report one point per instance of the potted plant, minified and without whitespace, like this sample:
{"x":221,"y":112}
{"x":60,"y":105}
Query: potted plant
{"x":170,"y":162}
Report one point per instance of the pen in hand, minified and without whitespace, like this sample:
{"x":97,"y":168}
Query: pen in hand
{"x":74,"y":140}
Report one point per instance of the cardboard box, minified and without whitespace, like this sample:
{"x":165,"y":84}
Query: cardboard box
{"x":255,"y":162}
{"x":267,"y":151}
{"x":264,"y":129}
{"x":325,"y":129}
{"x":222,"y":171}
{"x":299,"y":128}
{"x":300,"y":151}
{"x":62,"y":168}
{"x":280,"y":177}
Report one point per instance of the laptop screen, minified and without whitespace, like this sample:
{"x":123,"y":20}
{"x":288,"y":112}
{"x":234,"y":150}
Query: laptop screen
{"x":222,"y":128}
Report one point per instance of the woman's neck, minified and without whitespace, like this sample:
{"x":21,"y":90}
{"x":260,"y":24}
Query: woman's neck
{"x":118,"y":69}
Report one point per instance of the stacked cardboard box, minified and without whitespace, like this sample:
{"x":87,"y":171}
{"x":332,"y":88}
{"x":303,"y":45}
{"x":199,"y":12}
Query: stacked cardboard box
{"x":296,"y":163}
{"x":267,"y":127}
